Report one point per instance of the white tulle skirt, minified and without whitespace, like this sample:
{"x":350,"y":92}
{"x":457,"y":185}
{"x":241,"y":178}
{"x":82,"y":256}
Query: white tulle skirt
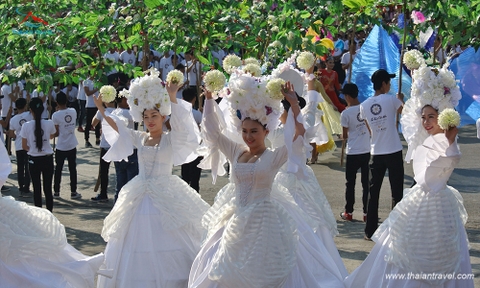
{"x":155,"y":244}
{"x":269,"y":243}
{"x":424,"y":236}
{"x":34,"y":251}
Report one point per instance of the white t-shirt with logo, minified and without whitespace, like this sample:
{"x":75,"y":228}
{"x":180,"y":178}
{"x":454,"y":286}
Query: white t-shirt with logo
{"x":28,"y":132}
{"x":36,"y":94}
{"x":166,"y":65}
{"x":90,"y":103}
{"x":358,"y":141}
{"x":380,"y":112}
{"x":65,"y":120}
{"x":16,"y":123}
{"x":113,"y":57}
{"x":72,"y":94}
{"x":128,"y":58}
{"x":192,"y":75}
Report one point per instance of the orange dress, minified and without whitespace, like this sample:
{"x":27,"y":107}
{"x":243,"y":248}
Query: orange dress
{"x":329,"y":79}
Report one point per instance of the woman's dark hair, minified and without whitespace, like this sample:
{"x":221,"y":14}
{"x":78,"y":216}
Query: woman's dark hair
{"x":36,"y":106}
{"x":301,"y":103}
{"x":256,"y":120}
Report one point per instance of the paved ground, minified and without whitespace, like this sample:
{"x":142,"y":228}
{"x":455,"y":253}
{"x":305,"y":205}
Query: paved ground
{"x":83,"y":218}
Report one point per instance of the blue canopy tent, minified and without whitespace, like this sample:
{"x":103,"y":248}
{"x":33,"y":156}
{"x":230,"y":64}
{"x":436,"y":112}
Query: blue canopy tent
{"x":378,"y":52}
{"x":466,"y":68}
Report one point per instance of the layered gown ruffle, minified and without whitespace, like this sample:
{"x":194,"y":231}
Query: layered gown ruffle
{"x":154,"y":230}
{"x":424,"y":234}
{"x":34,"y":251}
{"x":257,"y":235}
{"x":330,"y":118}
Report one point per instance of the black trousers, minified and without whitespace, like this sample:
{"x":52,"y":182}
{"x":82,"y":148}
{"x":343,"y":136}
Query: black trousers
{"x":60,"y":156}
{"x":104,"y":167}
{"x":90,"y":114}
{"x":355,"y":162}
{"x":42,"y":167}
{"x":23,"y":173}
{"x":380,"y":164}
{"x":81,"y":115}
{"x":191,"y":173}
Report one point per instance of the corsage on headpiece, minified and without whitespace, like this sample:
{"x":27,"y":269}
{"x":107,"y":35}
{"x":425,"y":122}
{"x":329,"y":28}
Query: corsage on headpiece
{"x":147,"y":92}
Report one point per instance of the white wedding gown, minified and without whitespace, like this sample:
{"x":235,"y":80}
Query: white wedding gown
{"x":33,"y":246}
{"x":154,"y":230}
{"x":257,"y":235}
{"x":424,"y":235}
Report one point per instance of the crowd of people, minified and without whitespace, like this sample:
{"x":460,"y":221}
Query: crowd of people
{"x":271,"y":225}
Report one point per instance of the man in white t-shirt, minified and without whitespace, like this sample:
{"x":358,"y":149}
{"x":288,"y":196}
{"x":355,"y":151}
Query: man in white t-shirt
{"x":112,"y":57}
{"x":72,"y":101}
{"x":193,"y":68}
{"x":125,"y":170}
{"x":91,"y":110}
{"x":23,"y":174}
{"x":346,"y":64}
{"x":166,"y":65}
{"x":104,"y":165}
{"x":356,"y":133}
{"x":64,"y":119}
{"x":82,"y":101}
{"x":190,"y":171}
{"x":380,"y":113}
{"x":128,"y":57}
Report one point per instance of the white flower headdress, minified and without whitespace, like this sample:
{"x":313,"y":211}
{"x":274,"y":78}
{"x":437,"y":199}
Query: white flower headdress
{"x":430,"y":86}
{"x":248,"y":97}
{"x":147,"y":92}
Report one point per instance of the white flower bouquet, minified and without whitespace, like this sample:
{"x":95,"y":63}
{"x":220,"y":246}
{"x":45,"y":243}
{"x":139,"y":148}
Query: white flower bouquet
{"x":175,"y":77}
{"x":413,"y":59}
{"x":274,"y":88}
{"x":252,"y":69}
{"x":231,"y":62}
{"x":214,"y":80}
{"x":305,"y":60}
{"x":448,"y":118}
{"x":109,"y":93}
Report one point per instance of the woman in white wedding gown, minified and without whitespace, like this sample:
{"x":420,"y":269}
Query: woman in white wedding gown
{"x":33,"y":246}
{"x":154,"y":230}
{"x":257,"y":235}
{"x":423,"y":239}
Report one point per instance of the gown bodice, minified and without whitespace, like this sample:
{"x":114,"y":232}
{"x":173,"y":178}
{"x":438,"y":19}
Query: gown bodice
{"x":434,"y":162}
{"x":155,"y":161}
{"x":254,"y":180}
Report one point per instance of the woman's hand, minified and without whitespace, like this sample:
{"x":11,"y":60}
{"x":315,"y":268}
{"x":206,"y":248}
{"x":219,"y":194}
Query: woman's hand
{"x":207,"y":94}
{"x":289,"y":93}
{"x":98,"y":102}
{"x":172,"y":87}
{"x":172,"y":91}
{"x":451,"y":134}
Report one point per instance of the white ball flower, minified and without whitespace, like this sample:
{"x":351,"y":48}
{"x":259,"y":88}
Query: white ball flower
{"x":274,"y":88}
{"x":448,"y":118}
{"x":253,"y":69}
{"x":251,"y":60}
{"x":413,"y":59}
{"x":175,"y":77}
{"x":305,"y":60}
{"x":108,"y":93}
{"x":214,"y":80}
{"x":231,"y":62}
